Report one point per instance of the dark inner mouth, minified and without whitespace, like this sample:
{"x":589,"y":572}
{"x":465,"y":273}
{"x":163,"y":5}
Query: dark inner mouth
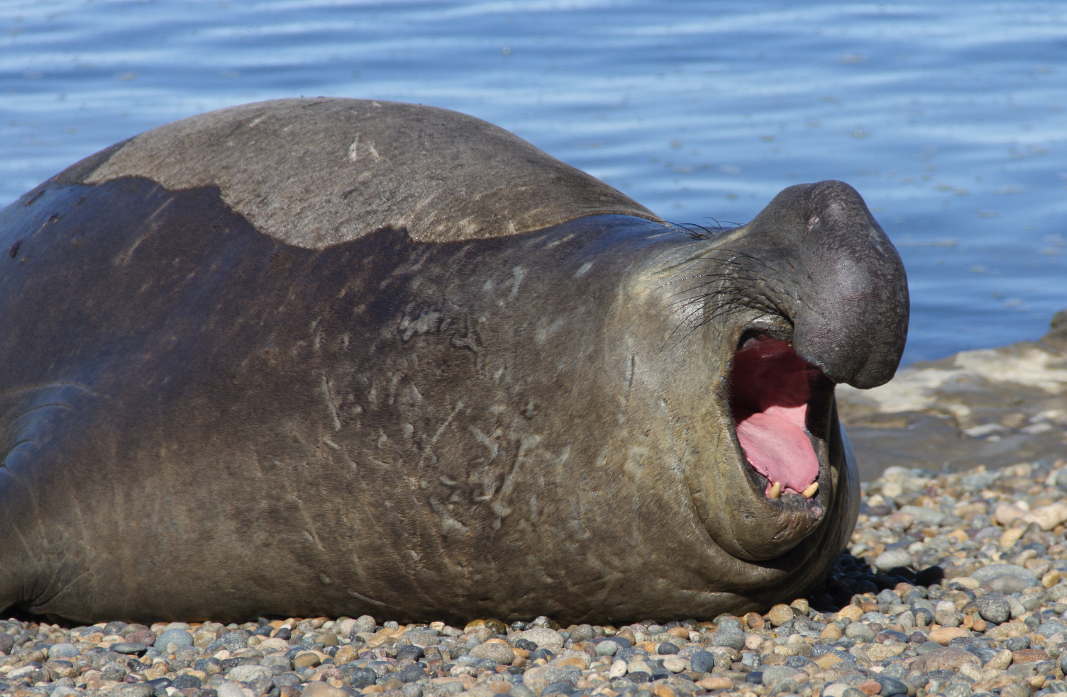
{"x":770,"y":397}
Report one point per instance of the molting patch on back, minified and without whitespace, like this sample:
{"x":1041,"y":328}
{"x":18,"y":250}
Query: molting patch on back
{"x":327,"y":171}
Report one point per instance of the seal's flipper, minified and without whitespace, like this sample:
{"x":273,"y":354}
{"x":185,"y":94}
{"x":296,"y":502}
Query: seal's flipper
{"x":33,"y":423}
{"x":29,"y":418}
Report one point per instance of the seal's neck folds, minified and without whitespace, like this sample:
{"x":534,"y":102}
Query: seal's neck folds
{"x":770,"y":390}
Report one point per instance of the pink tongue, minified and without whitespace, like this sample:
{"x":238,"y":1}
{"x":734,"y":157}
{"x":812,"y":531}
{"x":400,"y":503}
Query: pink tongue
{"x":778,"y":448}
{"x":769,"y":392}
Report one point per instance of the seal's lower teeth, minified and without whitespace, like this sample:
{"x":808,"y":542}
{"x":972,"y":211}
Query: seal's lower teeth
{"x":810,"y":491}
{"x":775,"y":491}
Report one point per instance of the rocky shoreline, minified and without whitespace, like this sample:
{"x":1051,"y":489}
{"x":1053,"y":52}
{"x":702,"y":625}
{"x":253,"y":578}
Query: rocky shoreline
{"x":956,"y":584}
{"x":993,"y":407}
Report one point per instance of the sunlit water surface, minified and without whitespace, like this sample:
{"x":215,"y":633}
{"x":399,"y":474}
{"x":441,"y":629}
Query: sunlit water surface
{"x":947,"y":117}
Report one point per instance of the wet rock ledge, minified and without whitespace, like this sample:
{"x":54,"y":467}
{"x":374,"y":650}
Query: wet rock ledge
{"x":956,"y":584}
{"x":993,"y":407}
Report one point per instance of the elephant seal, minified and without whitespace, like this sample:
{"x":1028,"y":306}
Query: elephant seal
{"x":332,"y":357}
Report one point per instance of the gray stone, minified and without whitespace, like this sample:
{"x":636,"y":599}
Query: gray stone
{"x":231,"y":641}
{"x":227,"y":689}
{"x":260,"y":686}
{"x":702,"y":662}
{"x":422,"y":638}
{"x":280,"y":660}
{"x":129,"y":647}
{"x":550,"y":674}
{"x":359,"y":677}
{"x":728,"y":636}
{"x":248,"y":673}
{"x":773,"y":674}
{"x":993,"y":608}
{"x":927,"y":516}
{"x":543,"y":637}
{"x":176,"y":636}
{"x":64,"y":651}
{"x":110,"y":671}
{"x":1047,"y":629}
{"x":988,"y":573}
{"x":1008,"y":584}
{"x":583,"y":632}
{"x":1017,"y":608}
{"x":184,"y":681}
{"x":946,"y":614}
{"x":859,"y":631}
{"x":875,"y":617}
{"x":891,"y":686}
{"x":607,"y":648}
{"x":412,"y":689}
{"x":892,"y":558}
{"x":499,"y":653}
{"x":364,"y":623}
{"x":413,"y":672}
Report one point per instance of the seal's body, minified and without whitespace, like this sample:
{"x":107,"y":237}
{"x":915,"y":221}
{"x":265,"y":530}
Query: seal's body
{"x":332,"y":357}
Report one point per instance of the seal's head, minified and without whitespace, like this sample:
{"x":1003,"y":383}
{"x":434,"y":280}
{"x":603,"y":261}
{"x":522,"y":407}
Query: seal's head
{"x":811,"y":293}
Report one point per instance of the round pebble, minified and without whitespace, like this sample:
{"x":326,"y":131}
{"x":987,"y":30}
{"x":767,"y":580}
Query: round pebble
{"x":128,"y":648}
{"x":702,"y":661}
{"x":993,"y":608}
{"x":988,"y":573}
{"x":858,"y":630}
{"x":66,"y":650}
{"x":891,"y":686}
{"x":730,"y":637}
{"x":500,"y":653}
{"x":541,"y":636}
{"x":780,"y":614}
{"x":893,"y":558}
{"x":176,"y":636}
{"x":185,"y":681}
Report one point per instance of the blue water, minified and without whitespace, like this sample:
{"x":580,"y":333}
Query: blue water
{"x":948,"y":119}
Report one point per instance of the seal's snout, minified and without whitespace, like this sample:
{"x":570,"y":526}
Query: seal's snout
{"x":843,"y":282}
{"x":771,"y":394}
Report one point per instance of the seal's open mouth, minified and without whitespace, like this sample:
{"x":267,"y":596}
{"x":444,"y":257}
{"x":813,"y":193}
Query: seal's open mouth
{"x":771,"y":399}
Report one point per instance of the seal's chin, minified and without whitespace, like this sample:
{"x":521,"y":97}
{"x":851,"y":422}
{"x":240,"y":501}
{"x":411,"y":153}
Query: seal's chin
{"x":775,"y":397}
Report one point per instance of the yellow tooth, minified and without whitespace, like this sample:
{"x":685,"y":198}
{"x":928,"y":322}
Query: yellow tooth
{"x":776,"y":490}
{"x":810,"y":491}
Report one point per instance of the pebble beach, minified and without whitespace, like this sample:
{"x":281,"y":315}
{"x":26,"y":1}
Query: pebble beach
{"x":954,"y":584}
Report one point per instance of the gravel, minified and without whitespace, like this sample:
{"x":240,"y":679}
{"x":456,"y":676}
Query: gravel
{"x":952,"y":586}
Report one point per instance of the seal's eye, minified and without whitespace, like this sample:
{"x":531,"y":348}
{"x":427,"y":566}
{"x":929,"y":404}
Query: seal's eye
{"x":770,"y":392}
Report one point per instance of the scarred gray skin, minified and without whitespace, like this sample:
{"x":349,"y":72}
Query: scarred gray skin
{"x":333,"y":357}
